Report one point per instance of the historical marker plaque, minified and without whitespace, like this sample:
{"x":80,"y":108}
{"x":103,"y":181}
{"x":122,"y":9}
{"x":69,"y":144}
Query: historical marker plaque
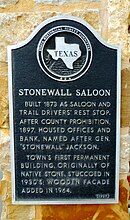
{"x":64,"y":115}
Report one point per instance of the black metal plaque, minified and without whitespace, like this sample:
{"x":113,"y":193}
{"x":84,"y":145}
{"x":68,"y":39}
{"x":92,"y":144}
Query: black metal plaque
{"x":64,"y":86}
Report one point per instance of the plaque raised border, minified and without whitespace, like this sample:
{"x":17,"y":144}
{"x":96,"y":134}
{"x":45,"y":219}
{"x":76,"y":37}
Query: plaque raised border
{"x":69,"y":201}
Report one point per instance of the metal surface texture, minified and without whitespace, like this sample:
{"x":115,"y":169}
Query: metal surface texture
{"x":64,"y":86}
